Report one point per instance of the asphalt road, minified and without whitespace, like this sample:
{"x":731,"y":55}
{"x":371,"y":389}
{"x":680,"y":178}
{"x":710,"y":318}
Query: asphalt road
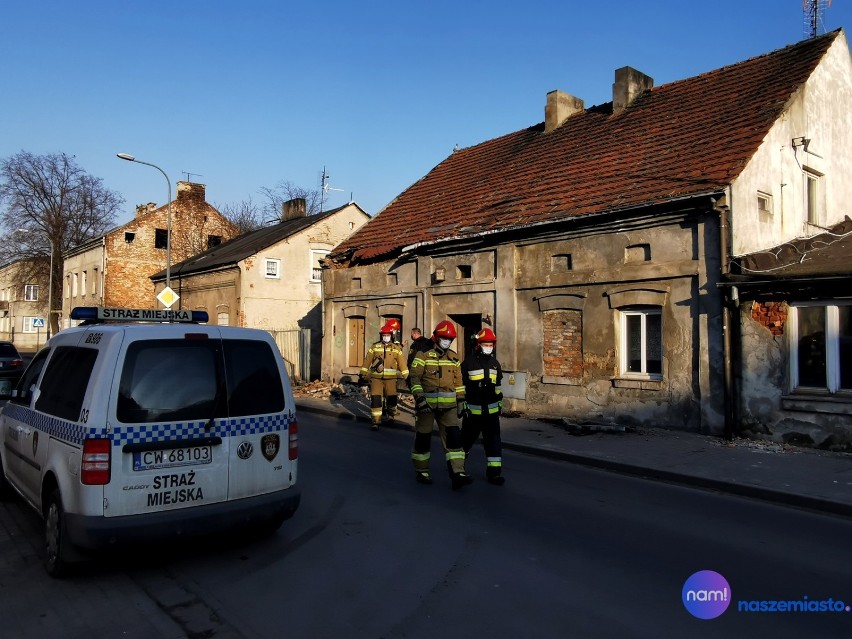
{"x":559,"y":551}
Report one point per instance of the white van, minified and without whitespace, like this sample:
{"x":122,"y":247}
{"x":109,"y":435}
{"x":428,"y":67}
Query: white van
{"x":143,"y":424}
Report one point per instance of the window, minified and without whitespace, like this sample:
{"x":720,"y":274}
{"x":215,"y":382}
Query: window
{"x":74,"y":281}
{"x":316,"y":266}
{"x":561,"y":263}
{"x":637,"y":253}
{"x":392,"y":279}
{"x":642,"y":342}
{"x":129,"y":237}
{"x":161,"y":238}
{"x":83,"y":283}
{"x":356,"y":282}
{"x":94,"y":281}
{"x":223,"y":318}
{"x":813,"y":197}
{"x":821,"y":347}
{"x":273,"y":269}
{"x":31,"y":292}
{"x":30,"y":324}
{"x":764,"y":203}
{"x":63,"y":387}
{"x":213,"y":240}
{"x":463,"y":271}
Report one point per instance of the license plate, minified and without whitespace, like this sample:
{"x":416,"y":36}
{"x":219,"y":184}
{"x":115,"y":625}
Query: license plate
{"x":172,"y":457}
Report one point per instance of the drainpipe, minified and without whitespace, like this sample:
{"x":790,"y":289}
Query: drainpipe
{"x":727,"y":365}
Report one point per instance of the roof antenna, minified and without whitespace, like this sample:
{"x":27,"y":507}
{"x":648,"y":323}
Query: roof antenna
{"x":814,"y":11}
{"x":189,"y":175}
{"x":325,"y":188}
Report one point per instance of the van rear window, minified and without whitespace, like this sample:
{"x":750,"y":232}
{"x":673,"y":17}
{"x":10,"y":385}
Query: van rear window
{"x":181,"y":380}
{"x":65,"y":381}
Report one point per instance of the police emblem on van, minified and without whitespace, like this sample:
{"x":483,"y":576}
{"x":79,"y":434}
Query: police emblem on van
{"x":269,"y":445}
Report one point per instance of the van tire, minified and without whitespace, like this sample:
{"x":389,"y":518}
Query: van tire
{"x":55,"y":536}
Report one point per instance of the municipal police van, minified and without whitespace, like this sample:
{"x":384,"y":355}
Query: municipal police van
{"x":140,"y":424}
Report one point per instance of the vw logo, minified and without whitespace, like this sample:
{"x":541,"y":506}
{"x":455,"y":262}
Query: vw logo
{"x":245,"y":450}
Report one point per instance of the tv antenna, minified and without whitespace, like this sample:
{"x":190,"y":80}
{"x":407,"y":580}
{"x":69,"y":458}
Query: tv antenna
{"x":325,"y":187}
{"x":189,"y":175}
{"x":814,"y":12}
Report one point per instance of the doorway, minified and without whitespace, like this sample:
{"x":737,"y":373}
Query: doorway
{"x":468,"y":325}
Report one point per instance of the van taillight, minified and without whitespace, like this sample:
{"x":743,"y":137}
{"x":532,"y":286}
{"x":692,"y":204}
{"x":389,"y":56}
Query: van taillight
{"x":95,"y":467}
{"x":293,"y":452}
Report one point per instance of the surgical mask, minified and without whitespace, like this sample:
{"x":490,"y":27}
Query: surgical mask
{"x":444,"y":343}
{"x":487,"y":350}
{"x":386,"y":339}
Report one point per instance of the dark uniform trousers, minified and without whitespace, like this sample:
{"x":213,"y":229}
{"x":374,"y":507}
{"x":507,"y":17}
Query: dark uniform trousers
{"x":489,"y":426}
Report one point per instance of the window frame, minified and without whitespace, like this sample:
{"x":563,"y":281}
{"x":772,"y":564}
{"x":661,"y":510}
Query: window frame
{"x":643,"y":312}
{"x":28,"y":290}
{"x":315,"y":255}
{"x":832,"y":348}
{"x":277,"y":274}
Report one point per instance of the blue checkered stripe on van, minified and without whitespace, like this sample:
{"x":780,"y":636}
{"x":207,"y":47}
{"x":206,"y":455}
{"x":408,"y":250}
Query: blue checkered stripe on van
{"x":230,"y":427}
{"x":71,"y":432}
{"x":75,"y":433}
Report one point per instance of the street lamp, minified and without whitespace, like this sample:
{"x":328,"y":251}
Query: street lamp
{"x":130,"y":158}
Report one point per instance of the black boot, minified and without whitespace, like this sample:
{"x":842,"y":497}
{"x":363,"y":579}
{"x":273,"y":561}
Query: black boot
{"x":494,"y":477}
{"x":460,"y":479}
{"x":423,"y":477}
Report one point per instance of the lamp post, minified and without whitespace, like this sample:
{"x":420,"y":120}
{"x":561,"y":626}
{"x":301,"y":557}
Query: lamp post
{"x":50,"y":288}
{"x":130,"y":158}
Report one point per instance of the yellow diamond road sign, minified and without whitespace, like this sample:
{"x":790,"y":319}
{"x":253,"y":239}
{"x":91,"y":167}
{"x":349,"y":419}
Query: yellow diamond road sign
{"x":168,"y":297}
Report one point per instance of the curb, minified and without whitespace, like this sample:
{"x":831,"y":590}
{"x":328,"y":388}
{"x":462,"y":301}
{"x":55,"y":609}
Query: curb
{"x":754,"y":492}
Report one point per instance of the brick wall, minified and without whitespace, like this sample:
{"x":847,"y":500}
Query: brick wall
{"x":563,"y":344}
{"x":770,"y":315}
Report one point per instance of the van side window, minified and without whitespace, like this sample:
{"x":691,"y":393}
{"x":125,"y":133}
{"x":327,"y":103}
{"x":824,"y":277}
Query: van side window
{"x":65,"y":381}
{"x":254,"y":383}
{"x":169,"y":379}
{"x":24,"y":389}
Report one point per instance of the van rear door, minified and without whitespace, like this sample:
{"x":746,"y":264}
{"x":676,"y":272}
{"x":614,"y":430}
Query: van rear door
{"x":170,"y":442}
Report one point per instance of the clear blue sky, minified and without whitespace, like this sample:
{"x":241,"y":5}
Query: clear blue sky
{"x":246,"y":93}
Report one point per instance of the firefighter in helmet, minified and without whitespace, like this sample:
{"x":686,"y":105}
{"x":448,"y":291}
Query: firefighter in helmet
{"x":482,"y":375}
{"x":436,"y":383}
{"x":383,"y":365}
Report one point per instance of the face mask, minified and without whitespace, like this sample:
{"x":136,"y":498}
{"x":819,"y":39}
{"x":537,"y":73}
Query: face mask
{"x":487,"y":350}
{"x":444,"y":343}
{"x":386,"y":339}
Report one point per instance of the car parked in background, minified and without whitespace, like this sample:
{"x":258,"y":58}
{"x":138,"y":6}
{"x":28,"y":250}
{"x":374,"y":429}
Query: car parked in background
{"x":11,"y":365}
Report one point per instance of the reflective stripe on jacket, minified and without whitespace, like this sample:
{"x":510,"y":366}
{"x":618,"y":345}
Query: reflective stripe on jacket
{"x":384,"y":361}
{"x":436,"y":375}
{"x":482,"y":376}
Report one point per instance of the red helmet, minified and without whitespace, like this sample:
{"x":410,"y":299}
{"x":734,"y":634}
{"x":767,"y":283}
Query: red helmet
{"x":393,"y":324}
{"x":387,"y":329}
{"x":445,"y":329}
{"x":485,"y":335}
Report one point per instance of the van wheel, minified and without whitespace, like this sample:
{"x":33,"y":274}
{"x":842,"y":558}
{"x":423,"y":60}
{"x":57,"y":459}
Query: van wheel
{"x":54,"y":536}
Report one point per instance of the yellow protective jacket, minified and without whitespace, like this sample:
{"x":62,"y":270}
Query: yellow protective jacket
{"x":384,"y":361}
{"x":436,"y":375}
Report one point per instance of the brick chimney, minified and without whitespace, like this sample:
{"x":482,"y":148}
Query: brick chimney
{"x":292,"y":209}
{"x":142,"y":209}
{"x":560,"y":106}
{"x":190,"y":191}
{"x":629,"y":85}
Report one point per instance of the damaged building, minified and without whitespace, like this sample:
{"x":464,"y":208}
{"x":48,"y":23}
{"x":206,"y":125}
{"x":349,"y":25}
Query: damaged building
{"x":599,"y":244}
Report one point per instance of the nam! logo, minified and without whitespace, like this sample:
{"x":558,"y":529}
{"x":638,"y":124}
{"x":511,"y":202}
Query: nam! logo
{"x":706,"y":594}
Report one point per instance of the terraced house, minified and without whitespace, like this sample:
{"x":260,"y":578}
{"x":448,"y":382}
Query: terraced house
{"x":605,"y":246}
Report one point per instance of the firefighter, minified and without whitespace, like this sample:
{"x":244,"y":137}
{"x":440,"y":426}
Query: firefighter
{"x":482,"y":375}
{"x":418,"y":343}
{"x":383,"y":365}
{"x":438,"y":391}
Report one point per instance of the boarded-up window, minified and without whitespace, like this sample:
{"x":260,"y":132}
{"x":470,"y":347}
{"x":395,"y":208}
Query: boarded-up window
{"x":563,"y":344}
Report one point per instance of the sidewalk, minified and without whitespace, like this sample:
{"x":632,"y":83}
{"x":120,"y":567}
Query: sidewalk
{"x":779,"y":473}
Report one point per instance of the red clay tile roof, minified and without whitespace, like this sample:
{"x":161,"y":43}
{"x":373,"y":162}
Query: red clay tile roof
{"x":681,"y":139}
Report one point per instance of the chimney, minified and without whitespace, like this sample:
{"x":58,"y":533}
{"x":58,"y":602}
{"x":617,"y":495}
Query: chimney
{"x":142,"y":209}
{"x":190,"y":191}
{"x":560,"y":106}
{"x":629,"y":85}
{"x":292,"y":209}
